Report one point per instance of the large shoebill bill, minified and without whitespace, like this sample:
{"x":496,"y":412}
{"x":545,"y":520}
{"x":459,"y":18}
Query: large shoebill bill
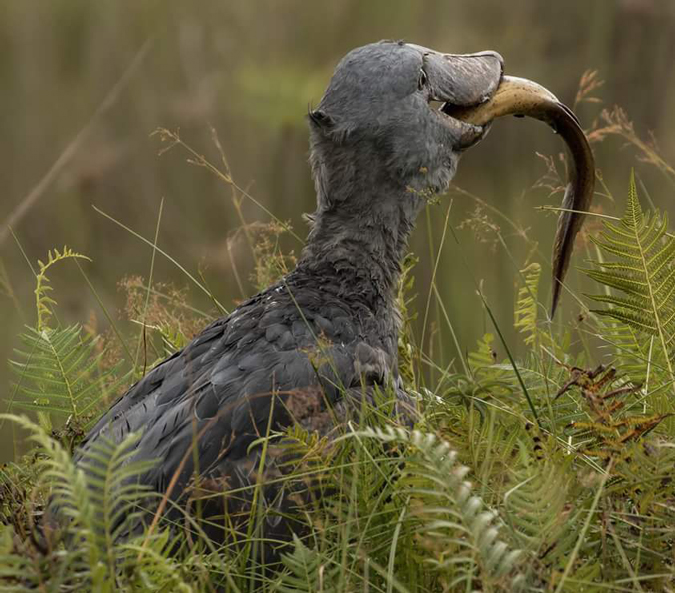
{"x":307,"y":349}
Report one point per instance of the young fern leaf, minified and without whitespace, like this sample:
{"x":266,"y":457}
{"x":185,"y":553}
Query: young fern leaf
{"x":484,"y":357}
{"x":488,"y":378}
{"x":525,"y":313}
{"x":642,"y":268}
{"x":43,"y":301}
{"x":59,"y":371}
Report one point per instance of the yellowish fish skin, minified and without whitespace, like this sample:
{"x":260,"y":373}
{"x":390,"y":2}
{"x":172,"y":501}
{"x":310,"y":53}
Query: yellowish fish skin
{"x":522,"y":97}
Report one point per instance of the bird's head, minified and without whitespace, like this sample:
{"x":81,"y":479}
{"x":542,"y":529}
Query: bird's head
{"x":383,"y":121}
{"x":389,"y":132}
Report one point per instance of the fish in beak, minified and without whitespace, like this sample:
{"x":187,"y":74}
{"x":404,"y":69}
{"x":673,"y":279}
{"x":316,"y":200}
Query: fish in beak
{"x":522,"y":97}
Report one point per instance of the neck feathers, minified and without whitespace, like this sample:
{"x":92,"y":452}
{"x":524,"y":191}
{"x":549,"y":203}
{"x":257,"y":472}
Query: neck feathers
{"x":362,"y":246}
{"x":365,"y":214}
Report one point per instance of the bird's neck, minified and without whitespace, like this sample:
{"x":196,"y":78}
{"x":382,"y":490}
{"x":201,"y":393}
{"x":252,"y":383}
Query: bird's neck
{"x":361,"y":242}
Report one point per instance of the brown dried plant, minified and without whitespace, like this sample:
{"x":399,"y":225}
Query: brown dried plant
{"x":589,"y":83}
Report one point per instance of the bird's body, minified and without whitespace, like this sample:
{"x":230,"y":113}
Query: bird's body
{"x":289,"y":354}
{"x":307,"y":349}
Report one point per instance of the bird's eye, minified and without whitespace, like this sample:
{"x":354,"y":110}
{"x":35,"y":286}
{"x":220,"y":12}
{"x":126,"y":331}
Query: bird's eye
{"x":422,"y":80}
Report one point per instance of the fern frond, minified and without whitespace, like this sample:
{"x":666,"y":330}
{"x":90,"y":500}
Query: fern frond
{"x":58,"y":371}
{"x":151,"y":567}
{"x":488,"y":378}
{"x":633,"y":352}
{"x":643,"y":269}
{"x":525,"y":313}
{"x":114,"y":492}
{"x":15,"y":566}
{"x":42,"y":301}
{"x":484,"y":357}
{"x":97,"y":501}
{"x":461,"y":534}
{"x":307,"y":571}
{"x":537,"y":508}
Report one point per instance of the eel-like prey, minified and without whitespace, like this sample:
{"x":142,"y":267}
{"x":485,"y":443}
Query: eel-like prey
{"x":520,"y":97}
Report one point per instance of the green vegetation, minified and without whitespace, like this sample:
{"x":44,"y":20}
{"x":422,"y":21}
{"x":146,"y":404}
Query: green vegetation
{"x":545,"y":472}
{"x":533,"y":467}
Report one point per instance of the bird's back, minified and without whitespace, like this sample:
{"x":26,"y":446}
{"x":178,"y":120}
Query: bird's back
{"x":289,"y":354}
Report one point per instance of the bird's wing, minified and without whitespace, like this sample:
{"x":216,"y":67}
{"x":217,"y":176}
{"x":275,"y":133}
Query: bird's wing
{"x":216,"y":395}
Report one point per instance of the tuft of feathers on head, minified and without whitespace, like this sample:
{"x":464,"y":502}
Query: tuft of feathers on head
{"x":320,"y":118}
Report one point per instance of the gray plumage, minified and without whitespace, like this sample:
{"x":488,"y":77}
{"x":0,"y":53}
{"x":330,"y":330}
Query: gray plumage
{"x":294,"y":352}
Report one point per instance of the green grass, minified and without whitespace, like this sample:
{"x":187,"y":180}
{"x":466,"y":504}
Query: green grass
{"x":531,"y":467}
{"x":536,"y":472}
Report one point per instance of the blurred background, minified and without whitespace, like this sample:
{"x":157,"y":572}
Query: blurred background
{"x":84,"y":84}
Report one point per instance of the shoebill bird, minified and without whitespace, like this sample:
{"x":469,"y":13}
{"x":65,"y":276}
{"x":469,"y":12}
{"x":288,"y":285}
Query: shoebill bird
{"x":387,"y":134}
